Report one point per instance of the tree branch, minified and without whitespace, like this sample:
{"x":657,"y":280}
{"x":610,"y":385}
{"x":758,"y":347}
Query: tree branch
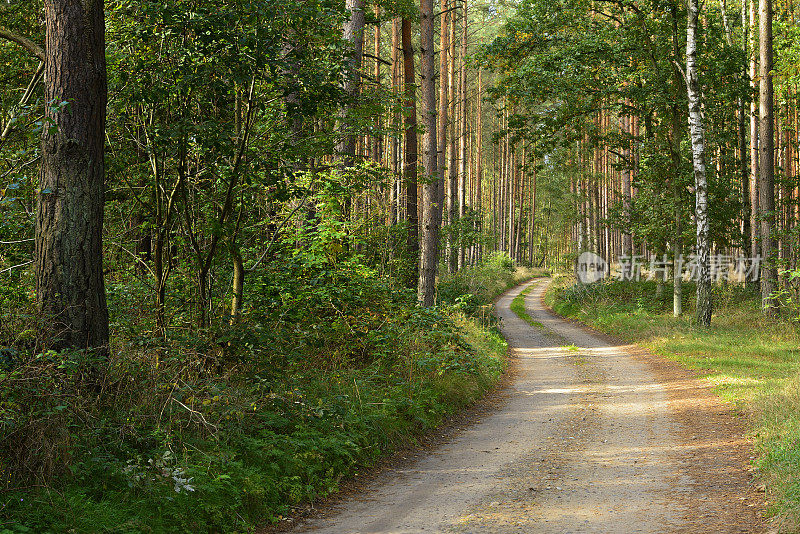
{"x":24,"y":42}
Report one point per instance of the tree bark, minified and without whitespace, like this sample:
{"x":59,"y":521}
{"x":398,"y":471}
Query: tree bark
{"x":410,"y":149}
{"x":766,"y":189}
{"x":462,"y":140}
{"x":452,"y":154}
{"x":70,"y":291}
{"x":429,"y":256}
{"x":755,"y":175}
{"x":479,"y":164}
{"x":444,"y":77}
{"x":704,"y":301}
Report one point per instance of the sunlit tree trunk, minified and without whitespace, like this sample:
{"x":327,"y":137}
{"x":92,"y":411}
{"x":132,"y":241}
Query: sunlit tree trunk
{"x":444,"y":77}
{"x":755,"y":175}
{"x":462,"y":141}
{"x":452,"y":154}
{"x":479,"y":162}
{"x":429,"y":253}
{"x":704,"y":303}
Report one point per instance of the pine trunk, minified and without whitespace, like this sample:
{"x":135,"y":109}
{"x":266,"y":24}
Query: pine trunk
{"x":429,"y":254}
{"x":410,"y":150}
{"x":70,"y":291}
{"x":766,"y":189}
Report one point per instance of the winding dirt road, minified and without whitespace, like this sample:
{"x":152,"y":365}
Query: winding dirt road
{"x":593,"y":436}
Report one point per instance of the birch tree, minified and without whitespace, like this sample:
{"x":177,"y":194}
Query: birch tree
{"x":704,"y":302}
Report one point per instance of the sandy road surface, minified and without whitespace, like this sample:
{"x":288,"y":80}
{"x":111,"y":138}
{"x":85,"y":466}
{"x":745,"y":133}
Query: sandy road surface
{"x":592,"y":437}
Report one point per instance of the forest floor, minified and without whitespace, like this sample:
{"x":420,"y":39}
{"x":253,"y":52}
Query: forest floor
{"x":590,"y":435}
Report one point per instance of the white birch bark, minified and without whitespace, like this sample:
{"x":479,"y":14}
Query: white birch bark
{"x":704,"y":304}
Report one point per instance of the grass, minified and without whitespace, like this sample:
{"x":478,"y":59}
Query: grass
{"x":518,"y":307}
{"x":750,"y":360}
{"x":326,"y":373}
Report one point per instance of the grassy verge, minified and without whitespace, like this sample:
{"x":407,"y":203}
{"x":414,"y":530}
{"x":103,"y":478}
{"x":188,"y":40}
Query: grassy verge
{"x":518,"y":307}
{"x":750,"y":360}
{"x":329,"y":370}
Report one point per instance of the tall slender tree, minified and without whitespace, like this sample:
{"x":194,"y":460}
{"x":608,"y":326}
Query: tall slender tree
{"x":410,"y":147}
{"x":766,"y":189}
{"x":429,"y":249}
{"x":704,"y":302}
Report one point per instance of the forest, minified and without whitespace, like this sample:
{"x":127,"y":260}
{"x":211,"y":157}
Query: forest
{"x":249,"y":248}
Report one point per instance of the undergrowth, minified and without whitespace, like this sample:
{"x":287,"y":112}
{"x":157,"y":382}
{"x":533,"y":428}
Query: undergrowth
{"x":328,"y":368}
{"x":750,"y":360}
{"x":473,"y":288}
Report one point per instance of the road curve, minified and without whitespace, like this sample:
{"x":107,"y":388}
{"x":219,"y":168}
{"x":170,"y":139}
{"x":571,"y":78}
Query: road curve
{"x":588,"y":440}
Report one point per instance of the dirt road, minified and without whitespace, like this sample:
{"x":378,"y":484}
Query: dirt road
{"x":593,"y":437}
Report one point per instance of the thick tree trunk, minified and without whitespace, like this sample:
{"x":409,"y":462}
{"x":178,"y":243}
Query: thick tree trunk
{"x":704,"y":303}
{"x":429,"y":254}
{"x":69,"y":257}
{"x":766,"y":190}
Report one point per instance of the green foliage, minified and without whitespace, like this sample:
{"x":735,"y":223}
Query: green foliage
{"x":473,"y":288}
{"x":329,"y":367}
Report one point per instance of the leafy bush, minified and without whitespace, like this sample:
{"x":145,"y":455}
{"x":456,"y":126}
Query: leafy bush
{"x":329,"y":366}
{"x":473,"y":288}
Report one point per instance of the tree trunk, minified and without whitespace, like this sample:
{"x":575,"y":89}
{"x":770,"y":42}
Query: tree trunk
{"x":394,"y":215}
{"x":238,"y":283}
{"x":70,"y":291}
{"x":444,"y":77}
{"x":704,"y":303}
{"x":462,"y":140}
{"x":755,"y":175}
{"x":429,"y":256}
{"x":766,"y":190}
{"x":479,"y":163}
{"x":410,"y":150}
{"x":627,"y":238}
{"x":452,"y":154}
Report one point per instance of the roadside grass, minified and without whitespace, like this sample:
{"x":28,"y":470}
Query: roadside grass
{"x":185,"y":437}
{"x":750,"y":360}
